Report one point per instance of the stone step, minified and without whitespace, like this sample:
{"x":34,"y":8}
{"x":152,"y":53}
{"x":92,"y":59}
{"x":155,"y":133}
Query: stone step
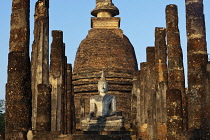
{"x":103,"y":137}
{"x":78,"y":132}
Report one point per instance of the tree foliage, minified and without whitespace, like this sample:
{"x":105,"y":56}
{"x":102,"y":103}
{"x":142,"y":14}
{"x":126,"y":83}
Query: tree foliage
{"x":2,"y":113}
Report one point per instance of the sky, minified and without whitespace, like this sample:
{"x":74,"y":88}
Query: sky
{"x":138,"y":21}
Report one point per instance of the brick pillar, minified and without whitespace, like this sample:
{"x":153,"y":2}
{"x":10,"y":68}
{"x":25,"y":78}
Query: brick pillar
{"x":70,"y":110}
{"x":18,"y":96}
{"x":206,"y":124}
{"x":40,"y":54}
{"x":63,"y":92}
{"x":176,"y":79}
{"x":65,"y":97}
{"x":18,"y":88}
{"x":174,"y":114}
{"x":146,"y":112}
{"x":135,"y":93}
{"x":43,"y":119}
{"x":161,"y":80}
{"x":150,"y":94}
{"x":56,"y":79}
{"x":142,"y":124}
{"x":138,"y":101}
{"x":197,"y":61}
{"x":19,"y":29}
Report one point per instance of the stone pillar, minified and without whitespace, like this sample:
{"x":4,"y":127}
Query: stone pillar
{"x":197,"y":61}
{"x":20,"y":29}
{"x":65,"y":97}
{"x":18,"y":96}
{"x":161,"y":80}
{"x":147,"y":124}
{"x":18,"y":88}
{"x":176,"y":79}
{"x":40,"y":54}
{"x":206,"y":125}
{"x":138,"y":102}
{"x":56,"y":79}
{"x":174,"y":114}
{"x":134,"y":94}
{"x":63,"y":92}
{"x":142,"y":123}
{"x":43,"y":119}
{"x":150,"y":94}
{"x":70,"y":114}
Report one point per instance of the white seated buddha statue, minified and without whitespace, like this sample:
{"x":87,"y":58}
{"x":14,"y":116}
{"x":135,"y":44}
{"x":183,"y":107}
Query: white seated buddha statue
{"x":106,"y":115}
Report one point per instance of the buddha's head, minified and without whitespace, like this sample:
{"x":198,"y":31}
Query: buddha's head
{"x":102,"y":84}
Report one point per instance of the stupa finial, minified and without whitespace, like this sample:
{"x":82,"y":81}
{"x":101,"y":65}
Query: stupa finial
{"x":105,"y":8}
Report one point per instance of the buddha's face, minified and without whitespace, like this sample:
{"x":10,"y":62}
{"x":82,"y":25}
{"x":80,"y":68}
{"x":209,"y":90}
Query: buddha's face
{"x":102,"y":87}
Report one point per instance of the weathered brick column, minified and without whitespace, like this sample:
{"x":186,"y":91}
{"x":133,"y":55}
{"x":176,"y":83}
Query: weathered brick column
{"x":63,"y":90}
{"x":56,"y":79}
{"x":147,"y":127}
{"x":174,"y":114}
{"x":161,"y":80}
{"x":18,"y":96}
{"x":176,"y":79}
{"x":206,"y":124}
{"x":18,"y":88}
{"x":19,"y":29}
{"x":142,"y":124}
{"x":197,"y":61}
{"x":65,"y":98}
{"x":150,"y":94}
{"x":43,"y":119}
{"x":138,"y":94}
{"x":135,"y":93}
{"x":40,"y":54}
{"x":70,"y":110}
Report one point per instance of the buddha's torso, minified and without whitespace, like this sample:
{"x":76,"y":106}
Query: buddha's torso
{"x":103,"y":104}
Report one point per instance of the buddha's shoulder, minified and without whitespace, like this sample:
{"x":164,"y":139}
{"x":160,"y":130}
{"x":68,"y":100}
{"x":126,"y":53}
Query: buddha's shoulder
{"x":95,"y":97}
{"x":109,"y":96}
{"x":99,"y":97}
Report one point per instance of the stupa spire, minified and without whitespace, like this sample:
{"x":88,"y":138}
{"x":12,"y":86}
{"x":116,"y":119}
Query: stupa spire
{"x":105,"y":8}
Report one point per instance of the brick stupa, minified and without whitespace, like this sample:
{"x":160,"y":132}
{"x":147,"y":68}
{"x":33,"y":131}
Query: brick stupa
{"x":105,"y":48}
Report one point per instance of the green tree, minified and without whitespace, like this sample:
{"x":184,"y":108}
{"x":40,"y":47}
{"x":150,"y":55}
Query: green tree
{"x":2,"y":113}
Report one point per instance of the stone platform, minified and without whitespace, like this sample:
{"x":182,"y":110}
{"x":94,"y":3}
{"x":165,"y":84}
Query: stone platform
{"x":114,"y":126}
{"x":87,"y":135}
{"x":103,"y":137}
